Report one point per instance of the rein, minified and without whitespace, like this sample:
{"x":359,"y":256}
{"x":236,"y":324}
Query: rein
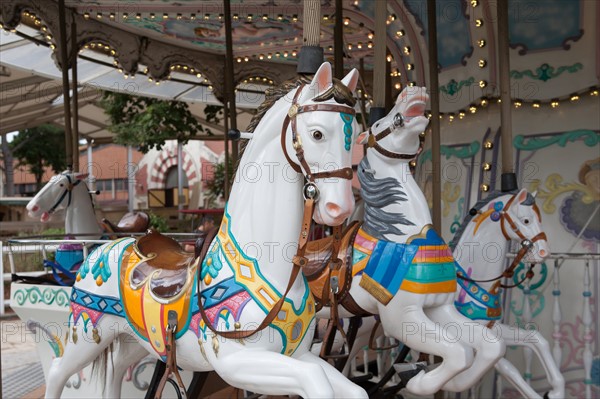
{"x":310,"y":193}
{"x":66,"y":193}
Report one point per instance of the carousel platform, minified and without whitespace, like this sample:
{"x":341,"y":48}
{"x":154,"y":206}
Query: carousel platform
{"x":22,"y":375}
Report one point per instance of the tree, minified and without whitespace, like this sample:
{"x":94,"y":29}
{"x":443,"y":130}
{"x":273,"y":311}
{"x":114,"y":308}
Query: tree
{"x":38,"y":148}
{"x":147,"y":122}
{"x":216,"y":185}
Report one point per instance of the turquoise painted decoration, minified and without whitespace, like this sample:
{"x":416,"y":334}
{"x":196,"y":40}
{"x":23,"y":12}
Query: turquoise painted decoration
{"x":453,"y":87}
{"x":590,"y":138}
{"x":461,"y":151}
{"x":541,"y":273}
{"x":212,"y":263}
{"x":347,"y":118}
{"x":47,"y":296}
{"x":537,"y":302}
{"x":546,"y":72}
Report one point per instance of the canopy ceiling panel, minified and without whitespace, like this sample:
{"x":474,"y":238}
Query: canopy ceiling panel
{"x":554,"y":43}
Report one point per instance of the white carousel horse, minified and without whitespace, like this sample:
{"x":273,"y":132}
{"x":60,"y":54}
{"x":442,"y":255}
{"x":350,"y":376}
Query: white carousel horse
{"x":488,"y":227}
{"x":246,"y":269}
{"x":402,"y":270}
{"x":480,"y":232}
{"x":69,"y":191}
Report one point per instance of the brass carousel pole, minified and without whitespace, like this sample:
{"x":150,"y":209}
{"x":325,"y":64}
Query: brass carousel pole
{"x":338,"y":40}
{"x":378,"y":108}
{"x":229,"y":78}
{"x":435,"y":116}
{"x":508,"y":177}
{"x":310,"y":57}
{"x":75,"y":131}
{"x":226,"y":129}
{"x":436,"y":211}
{"x":64,"y":61}
{"x":228,"y":95}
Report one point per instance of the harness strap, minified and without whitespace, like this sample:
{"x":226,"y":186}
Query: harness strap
{"x":373,"y":143}
{"x":373,"y":336}
{"x":298,"y":261}
{"x":171,"y":363}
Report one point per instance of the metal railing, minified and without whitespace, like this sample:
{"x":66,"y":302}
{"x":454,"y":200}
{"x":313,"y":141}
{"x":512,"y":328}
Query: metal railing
{"x":45,"y":246}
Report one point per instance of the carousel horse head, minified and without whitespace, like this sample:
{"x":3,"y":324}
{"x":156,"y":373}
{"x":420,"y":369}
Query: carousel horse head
{"x":397,"y":135}
{"x":519,"y":219}
{"x":57,"y":194}
{"x":319,"y":140}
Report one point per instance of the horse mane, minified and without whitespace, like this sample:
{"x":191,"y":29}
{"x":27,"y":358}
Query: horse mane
{"x":376,"y":194}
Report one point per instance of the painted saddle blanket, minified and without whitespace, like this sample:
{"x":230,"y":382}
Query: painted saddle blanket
{"x":423,"y":265}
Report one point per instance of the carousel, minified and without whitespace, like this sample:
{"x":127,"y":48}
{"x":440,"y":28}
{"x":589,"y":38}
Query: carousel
{"x":468,"y":266}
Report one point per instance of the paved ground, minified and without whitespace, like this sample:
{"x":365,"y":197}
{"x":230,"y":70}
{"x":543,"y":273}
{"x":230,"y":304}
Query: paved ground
{"x":21,"y":370}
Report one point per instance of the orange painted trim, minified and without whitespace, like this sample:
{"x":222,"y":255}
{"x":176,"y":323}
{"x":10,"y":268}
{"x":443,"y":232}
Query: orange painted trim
{"x":429,"y":288}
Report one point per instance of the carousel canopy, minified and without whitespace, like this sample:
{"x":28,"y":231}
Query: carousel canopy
{"x":180,"y":45}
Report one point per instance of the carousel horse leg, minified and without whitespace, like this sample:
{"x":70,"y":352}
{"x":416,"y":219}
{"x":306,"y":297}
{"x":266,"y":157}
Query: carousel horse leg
{"x":127,"y":352}
{"x":410,"y":325}
{"x":489,"y":348}
{"x":342,"y":387}
{"x":536,"y":342}
{"x":77,"y":355}
{"x":272,"y":373}
{"x":512,"y":375}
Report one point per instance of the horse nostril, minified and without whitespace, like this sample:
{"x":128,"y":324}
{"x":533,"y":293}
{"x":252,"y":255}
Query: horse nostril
{"x":542,"y":252}
{"x":333,"y":209}
{"x":35,"y":208}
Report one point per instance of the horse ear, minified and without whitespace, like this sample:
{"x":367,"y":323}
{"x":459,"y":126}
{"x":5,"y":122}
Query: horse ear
{"x":321,"y":82}
{"x":81,"y":176}
{"x":351,"y":80}
{"x":521,"y":196}
{"x":362,"y":138}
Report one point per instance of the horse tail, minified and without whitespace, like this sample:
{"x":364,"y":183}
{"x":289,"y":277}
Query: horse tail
{"x":100,"y":365}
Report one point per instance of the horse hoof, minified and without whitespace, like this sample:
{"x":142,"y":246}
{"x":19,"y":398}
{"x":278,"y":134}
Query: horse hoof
{"x":546,"y":395}
{"x":406,"y":371}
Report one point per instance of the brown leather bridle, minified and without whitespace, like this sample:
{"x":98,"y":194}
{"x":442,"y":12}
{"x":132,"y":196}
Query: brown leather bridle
{"x":526,"y":245}
{"x":311,"y":195}
{"x":374,"y":138}
{"x":302,"y":166}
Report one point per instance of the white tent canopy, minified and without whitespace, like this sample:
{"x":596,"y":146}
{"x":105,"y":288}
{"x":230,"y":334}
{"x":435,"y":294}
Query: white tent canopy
{"x":31,"y":88}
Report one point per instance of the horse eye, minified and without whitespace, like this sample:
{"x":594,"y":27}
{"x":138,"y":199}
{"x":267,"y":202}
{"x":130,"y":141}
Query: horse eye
{"x":526,"y":221}
{"x":62,"y":185}
{"x":317,"y":135}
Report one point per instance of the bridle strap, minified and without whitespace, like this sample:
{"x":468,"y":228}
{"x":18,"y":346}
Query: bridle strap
{"x":526,"y":246}
{"x":290,"y":118}
{"x":373,"y":143}
{"x":66,"y":193}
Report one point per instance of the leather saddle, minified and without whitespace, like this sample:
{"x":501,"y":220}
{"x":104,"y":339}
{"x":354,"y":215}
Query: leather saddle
{"x":131,"y":222}
{"x":165,"y":263}
{"x":317,"y":273}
